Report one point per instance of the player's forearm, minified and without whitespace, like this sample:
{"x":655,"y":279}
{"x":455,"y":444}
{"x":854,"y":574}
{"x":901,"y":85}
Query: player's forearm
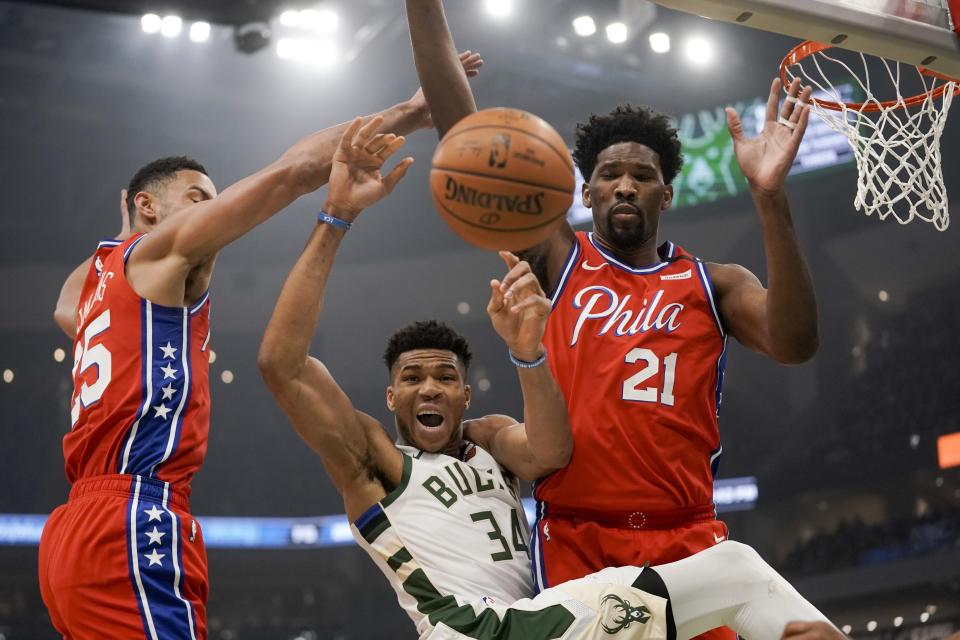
{"x":286,"y":341}
{"x":547,"y":425}
{"x":66,"y":310}
{"x":791,"y":301}
{"x":441,"y":75}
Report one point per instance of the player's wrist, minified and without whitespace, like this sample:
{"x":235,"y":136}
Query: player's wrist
{"x":344,"y":212}
{"x":527,"y":358}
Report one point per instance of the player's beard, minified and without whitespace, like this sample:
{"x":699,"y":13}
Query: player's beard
{"x":629,"y":238}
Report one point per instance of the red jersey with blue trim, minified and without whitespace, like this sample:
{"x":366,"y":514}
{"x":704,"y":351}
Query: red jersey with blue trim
{"x":639,"y":354}
{"x":141,"y":399}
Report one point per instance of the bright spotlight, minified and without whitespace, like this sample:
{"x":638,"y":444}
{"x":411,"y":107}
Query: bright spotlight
{"x":846,"y":629}
{"x":872,"y":625}
{"x":150,"y":23}
{"x":59,"y":354}
{"x":287,"y":48}
{"x":898,"y":621}
{"x":171,"y":26}
{"x":659,"y":42}
{"x":8,"y":377}
{"x":290,"y":18}
{"x":584,"y":26}
{"x":200,"y":31}
{"x":499,"y":8}
{"x":327,"y":21}
{"x":923,"y":616}
{"x":699,"y":51}
{"x":321,"y":21}
{"x":616,"y":32}
{"x":227,"y":376}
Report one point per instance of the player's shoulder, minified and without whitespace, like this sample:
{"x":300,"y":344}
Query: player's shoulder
{"x":729,"y":275}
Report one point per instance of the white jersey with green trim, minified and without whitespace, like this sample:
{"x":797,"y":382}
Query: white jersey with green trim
{"x":453,"y":531}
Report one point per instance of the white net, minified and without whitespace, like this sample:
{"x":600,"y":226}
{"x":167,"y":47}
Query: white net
{"x":896,"y":142}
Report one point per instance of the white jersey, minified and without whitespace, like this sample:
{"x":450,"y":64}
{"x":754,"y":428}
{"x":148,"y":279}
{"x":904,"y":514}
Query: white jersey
{"x":452,"y":526}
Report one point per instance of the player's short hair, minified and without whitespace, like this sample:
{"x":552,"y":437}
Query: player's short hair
{"x":628,"y":123}
{"x":426,"y":334}
{"x":157,"y":174}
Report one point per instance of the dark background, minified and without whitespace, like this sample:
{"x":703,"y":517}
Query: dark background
{"x":852,"y":505}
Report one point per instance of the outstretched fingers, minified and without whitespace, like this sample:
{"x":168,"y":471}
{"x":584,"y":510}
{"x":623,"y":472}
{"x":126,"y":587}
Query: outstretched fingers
{"x":396,"y":175}
{"x":367,"y":132}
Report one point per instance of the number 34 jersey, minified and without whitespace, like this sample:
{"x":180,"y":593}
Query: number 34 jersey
{"x":141,"y":400}
{"x":639,"y":354}
{"x":452,"y":532}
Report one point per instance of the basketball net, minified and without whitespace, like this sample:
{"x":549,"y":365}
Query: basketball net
{"x":896,"y":142}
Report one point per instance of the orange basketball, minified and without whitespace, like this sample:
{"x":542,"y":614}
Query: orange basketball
{"x":502,"y":179}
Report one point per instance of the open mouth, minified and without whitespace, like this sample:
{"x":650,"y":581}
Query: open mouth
{"x":430,"y":419}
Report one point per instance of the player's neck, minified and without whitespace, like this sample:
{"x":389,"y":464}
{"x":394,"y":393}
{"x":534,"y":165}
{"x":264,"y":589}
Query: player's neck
{"x":644,"y":255}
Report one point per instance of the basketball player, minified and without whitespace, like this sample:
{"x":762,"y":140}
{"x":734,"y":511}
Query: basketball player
{"x":124,"y":558}
{"x":440,"y":516}
{"x":637,"y":335}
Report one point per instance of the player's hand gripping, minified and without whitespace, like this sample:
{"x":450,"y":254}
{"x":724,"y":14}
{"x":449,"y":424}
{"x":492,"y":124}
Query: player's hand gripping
{"x":471,"y":66}
{"x":519,"y":309}
{"x":766,"y":159}
{"x":355,"y":178}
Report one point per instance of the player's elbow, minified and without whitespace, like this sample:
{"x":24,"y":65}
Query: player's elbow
{"x":799,"y":350}
{"x":558,"y":456}
{"x":272,"y":368}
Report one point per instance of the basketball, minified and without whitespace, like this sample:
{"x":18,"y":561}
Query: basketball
{"x":502,"y":179}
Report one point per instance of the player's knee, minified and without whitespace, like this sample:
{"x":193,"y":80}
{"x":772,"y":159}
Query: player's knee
{"x":742,"y":558}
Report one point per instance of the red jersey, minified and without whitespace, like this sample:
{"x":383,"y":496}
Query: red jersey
{"x":639,"y":354}
{"x":141,"y":400}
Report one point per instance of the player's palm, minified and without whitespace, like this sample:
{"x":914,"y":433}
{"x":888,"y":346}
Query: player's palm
{"x":518,"y":308}
{"x":766,"y":160}
{"x":356,"y":181}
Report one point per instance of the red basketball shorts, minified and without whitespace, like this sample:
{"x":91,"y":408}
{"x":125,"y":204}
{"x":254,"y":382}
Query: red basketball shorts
{"x":569,"y":548}
{"x":124,"y":559}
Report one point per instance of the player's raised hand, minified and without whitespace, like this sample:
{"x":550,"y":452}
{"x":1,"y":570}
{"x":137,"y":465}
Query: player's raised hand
{"x":519,"y":309}
{"x":811,"y":631}
{"x":355,"y":178}
{"x":471,"y":62}
{"x":766,"y":159}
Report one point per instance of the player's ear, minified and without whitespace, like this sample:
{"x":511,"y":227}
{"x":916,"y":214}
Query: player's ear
{"x":146,"y":208}
{"x":667,"y":197}
{"x":585,"y":195}
{"x":467,"y":392}
{"x":390,"y":399}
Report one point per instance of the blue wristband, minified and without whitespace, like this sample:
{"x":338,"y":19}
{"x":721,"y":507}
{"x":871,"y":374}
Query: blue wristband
{"x":343,"y":225}
{"x":524,"y":364}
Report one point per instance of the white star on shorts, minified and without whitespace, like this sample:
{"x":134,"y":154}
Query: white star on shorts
{"x":169,"y":351}
{"x":155,"y":535}
{"x":155,"y":557}
{"x":154,"y":513}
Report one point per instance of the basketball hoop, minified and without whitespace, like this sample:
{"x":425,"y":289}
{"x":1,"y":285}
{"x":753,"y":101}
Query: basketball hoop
{"x":896,"y":142}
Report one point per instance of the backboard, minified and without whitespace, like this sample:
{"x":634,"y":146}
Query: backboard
{"x":918,"y":32}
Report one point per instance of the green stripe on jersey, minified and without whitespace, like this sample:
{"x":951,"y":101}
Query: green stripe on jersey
{"x":544,"y":624}
{"x":404,"y":481}
{"x":400,"y":558}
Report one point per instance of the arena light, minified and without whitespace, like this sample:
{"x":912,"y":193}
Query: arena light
{"x":699,"y":51}
{"x":924,"y":616}
{"x":872,"y":625}
{"x":171,"y":26}
{"x":318,"y":53}
{"x":846,"y":629}
{"x":898,"y":621}
{"x":290,"y":18}
{"x":200,"y":31}
{"x":321,"y":21}
{"x":150,"y":23}
{"x":883,"y":295}
{"x":227,"y":376}
{"x":584,"y":26}
{"x":660,"y":42}
{"x":8,"y":375}
{"x":59,"y":354}
{"x":499,"y":8}
{"x":616,"y":32}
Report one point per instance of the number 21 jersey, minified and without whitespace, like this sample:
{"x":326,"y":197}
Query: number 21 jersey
{"x":639,"y":354}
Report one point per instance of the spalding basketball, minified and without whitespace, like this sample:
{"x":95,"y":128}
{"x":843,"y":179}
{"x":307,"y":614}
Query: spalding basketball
{"x":502,"y":179}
